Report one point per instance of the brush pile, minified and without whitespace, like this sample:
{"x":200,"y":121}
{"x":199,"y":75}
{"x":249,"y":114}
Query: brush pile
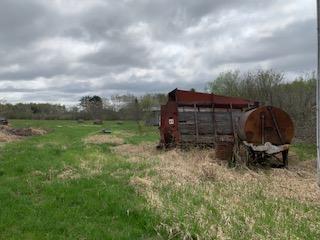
{"x":9,"y":134}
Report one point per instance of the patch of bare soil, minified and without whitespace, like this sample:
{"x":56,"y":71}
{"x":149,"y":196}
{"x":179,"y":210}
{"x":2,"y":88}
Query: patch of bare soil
{"x":198,"y":167}
{"x":9,"y":134}
{"x":100,"y":139}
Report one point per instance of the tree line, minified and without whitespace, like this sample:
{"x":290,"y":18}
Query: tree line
{"x":297,"y":97}
{"x":117,"y":107}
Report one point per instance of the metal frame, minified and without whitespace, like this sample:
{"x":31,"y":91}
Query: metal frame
{"x":178,"y":98}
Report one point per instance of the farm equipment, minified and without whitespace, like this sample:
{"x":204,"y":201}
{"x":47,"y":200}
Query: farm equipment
{"x":228,"y":124}
{"x":199,"y":118}
{"x":3,"y":121}
{"x":264,"y":132}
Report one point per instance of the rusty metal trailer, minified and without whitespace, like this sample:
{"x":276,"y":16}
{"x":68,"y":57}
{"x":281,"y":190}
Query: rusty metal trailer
{"x":193,"y":118}
{"x":199,"y":118}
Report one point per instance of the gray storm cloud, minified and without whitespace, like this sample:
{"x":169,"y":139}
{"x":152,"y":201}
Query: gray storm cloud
{"x":57,"y":51}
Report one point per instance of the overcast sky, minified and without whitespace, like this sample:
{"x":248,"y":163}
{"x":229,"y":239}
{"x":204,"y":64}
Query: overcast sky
{"x":59,"y":50}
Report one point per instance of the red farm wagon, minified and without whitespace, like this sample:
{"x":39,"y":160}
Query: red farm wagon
{"x":193,"y":118}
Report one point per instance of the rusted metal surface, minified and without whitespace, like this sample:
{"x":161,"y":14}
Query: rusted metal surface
{"x":224,"y":150}
{"x":182,"y":97}
{"x":169,"y":124}
{"x":192,"y":117}
{"x":266,"y":124}
{"x":266,"y":131}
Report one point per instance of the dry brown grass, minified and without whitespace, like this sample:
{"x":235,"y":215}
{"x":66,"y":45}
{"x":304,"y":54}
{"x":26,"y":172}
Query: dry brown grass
{"x":86,"y":169}
{"x":89,"y":167}
{"x":137,"y":152}
{"x":145,"y":187}
{"x":100,"y":139}
{"x":141,"y":151}
{"x":4,"y":137}
{"x":197,"y":166}
{"x":68,"y":173}
{"x":38,"y":131}
{"x":92,"y":167}
{"x":9,"y":134}
{"x":197,"y":173}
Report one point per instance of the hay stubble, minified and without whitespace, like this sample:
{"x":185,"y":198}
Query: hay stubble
{"x":195,"y":190}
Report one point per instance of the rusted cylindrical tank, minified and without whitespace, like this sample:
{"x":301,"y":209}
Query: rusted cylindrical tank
{"x":266,"y":124}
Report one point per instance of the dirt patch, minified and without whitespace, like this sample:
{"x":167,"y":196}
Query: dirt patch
{"x":100,"y":139}
{"x":9,"y":134}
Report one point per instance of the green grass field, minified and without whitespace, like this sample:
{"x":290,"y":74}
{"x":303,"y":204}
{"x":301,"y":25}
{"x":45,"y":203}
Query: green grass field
{"x":69,"y":185}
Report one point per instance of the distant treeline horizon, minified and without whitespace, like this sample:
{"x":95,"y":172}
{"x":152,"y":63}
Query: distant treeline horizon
{"x":297,"y":97}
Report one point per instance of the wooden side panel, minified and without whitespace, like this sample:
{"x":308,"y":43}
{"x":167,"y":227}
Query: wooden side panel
{"x":236,"y":117}
{"x":223,"y":123}
{"x":187,"y":117}
{"x":188,"y":126}
{"x":205,"y":139}
{"x":206,"y":124}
